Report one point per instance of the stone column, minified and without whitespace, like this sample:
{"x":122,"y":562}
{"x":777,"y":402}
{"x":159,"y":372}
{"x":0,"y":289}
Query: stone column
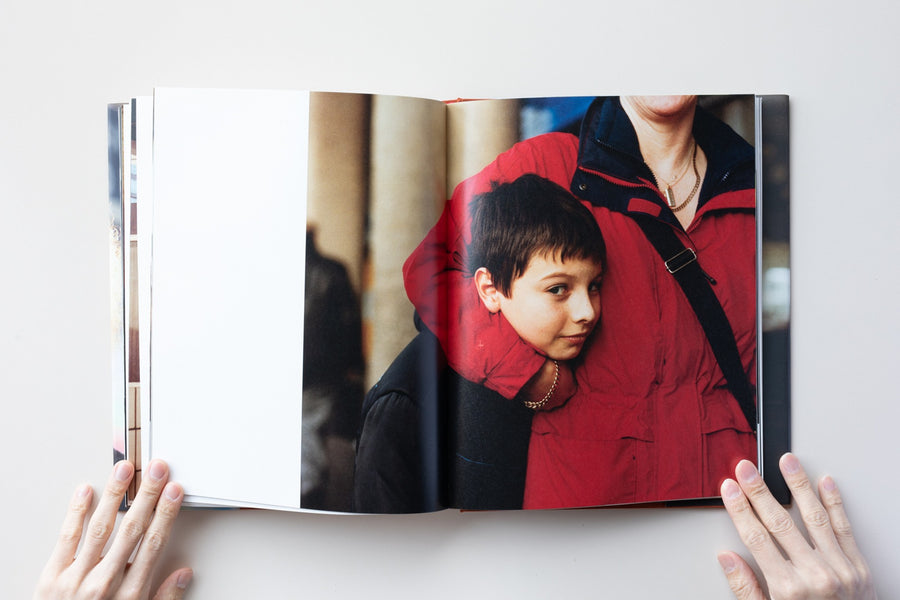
{"x":407,"y":190}
{"x":476,"y":133}
{"x":339,"y":177}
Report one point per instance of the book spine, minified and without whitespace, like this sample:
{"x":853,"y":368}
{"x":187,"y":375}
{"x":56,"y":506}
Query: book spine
{"x":773,"y":287}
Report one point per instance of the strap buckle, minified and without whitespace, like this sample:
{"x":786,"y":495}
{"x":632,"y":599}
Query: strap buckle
{"x":681,"y":260}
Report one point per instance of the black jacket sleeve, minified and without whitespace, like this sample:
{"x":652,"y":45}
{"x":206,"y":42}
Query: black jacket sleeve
{"x":398,"y":456}
{"x":389,"y":470}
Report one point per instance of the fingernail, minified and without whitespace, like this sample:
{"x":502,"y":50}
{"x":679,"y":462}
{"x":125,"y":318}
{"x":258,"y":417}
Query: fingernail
{"x":157,"y":470}
{"x":83,"y":491}
{"x":828,"y":484}
{"x":746,"y":472}
{"x":730,"y":489}
{"x":172,"y":491}
{"x":184,"y":579}
{"x":726,"y":561}
{"x":790,"y":464}
{"x":124,"y":471}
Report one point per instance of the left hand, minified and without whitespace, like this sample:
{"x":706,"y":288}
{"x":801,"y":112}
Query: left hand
{"x":90,"y":574}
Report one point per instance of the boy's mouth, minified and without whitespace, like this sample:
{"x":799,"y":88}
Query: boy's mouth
{"x":576,"y":338}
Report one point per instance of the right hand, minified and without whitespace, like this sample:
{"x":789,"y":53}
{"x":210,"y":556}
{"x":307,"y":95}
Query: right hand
{"x":831,"y":566}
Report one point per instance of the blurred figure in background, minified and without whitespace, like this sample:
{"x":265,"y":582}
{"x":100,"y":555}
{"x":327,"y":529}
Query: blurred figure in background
{"x":333,"y":370}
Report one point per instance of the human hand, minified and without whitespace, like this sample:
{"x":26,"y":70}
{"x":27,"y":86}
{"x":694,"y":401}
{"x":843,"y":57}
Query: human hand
{"x":74,"y":574}
{"x":831,"y":566}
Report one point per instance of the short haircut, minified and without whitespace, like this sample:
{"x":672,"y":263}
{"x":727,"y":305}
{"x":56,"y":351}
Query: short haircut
{"x":527,"y":217}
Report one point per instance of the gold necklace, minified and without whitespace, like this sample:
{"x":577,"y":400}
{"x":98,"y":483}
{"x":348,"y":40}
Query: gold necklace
{"x":669,"y":193}
{"x":696,"y":184}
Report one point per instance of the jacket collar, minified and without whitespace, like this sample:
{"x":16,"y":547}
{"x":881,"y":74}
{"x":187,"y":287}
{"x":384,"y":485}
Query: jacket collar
{"x":608,"y":144}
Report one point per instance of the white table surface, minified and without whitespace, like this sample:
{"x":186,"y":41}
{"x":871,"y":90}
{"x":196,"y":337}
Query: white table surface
{"x":61,"y":62}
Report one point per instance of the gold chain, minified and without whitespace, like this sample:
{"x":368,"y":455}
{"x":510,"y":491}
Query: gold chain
{"x":536,"y":404}
{"x":696,"y":183}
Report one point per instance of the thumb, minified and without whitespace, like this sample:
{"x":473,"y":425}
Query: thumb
{"x":741,"y":578}
{"x":174,"y":586}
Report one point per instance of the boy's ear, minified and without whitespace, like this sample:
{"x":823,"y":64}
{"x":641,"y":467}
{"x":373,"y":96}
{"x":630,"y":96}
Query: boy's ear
{"x":489,"y":295}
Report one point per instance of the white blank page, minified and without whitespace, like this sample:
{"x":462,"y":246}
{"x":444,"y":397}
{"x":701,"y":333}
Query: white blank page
{"x":227,"y":299}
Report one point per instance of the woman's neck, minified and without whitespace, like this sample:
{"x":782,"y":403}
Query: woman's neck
{"x":663,"y":132}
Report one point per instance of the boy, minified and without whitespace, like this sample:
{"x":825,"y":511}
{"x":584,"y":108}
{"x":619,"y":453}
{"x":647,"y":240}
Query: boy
{"x":535,"y":259}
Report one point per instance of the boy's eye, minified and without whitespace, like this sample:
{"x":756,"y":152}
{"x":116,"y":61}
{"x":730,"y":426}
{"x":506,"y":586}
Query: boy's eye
{"x":595,"y":286}
{"x":557,"y":290}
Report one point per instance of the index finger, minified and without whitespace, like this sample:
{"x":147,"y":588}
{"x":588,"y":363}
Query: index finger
{"x":753,"y":533}
{"x":137,"y":518}
{"x":775,"y":518}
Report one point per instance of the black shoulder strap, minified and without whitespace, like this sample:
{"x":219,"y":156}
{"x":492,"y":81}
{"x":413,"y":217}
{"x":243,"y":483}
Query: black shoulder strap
{"x":682,"y":263}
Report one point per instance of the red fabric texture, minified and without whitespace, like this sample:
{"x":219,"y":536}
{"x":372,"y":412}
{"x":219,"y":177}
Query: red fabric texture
{"x":652,"y":419}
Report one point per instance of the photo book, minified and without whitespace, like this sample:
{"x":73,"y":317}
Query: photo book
{"x":362,"y":303}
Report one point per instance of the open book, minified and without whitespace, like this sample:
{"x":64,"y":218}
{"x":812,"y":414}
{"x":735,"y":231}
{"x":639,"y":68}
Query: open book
{"x":265,"y":346}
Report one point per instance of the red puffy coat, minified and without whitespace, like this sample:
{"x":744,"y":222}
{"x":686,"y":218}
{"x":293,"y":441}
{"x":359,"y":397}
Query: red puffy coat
{"x":652,"y":418}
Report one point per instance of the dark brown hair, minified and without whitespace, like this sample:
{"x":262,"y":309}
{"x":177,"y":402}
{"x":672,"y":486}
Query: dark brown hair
{"x":526,"y":217}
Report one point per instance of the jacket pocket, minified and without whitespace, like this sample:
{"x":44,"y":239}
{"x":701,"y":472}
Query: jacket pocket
{"x":727,"y":439}
{"x":598,"y":458}
{"x":721,"y":411}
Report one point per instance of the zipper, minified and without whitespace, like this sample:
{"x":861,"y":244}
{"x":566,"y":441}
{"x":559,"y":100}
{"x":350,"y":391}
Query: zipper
{"x":646,"y":184}
{"x":622,"y":182}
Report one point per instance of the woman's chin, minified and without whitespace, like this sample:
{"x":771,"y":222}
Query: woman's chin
{"x":663,"y":106}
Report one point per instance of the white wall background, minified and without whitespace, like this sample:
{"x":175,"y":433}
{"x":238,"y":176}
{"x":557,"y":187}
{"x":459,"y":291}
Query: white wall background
{"x":61,"y":62}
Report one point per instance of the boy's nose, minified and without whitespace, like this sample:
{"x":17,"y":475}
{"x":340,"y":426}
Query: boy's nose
{"x":584,"y":308}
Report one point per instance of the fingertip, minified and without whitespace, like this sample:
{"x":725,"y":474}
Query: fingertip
{"x":82,"y":498}
{"x":175,"y":584}
{"x":157,"y":470}
{"x":789,"y":464}
{"x":730,"y":490}
{"x":83,"y":492}
{"x":173,"y":491}
{"x":184,"y":578}
{"x":123,"y":471}
{"x":727,"y":562}
{"x":740,"y":576}
{"x":746,"y":472}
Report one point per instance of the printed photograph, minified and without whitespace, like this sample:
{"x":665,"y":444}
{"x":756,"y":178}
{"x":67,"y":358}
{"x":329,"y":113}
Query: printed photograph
{"x":553,"y":305}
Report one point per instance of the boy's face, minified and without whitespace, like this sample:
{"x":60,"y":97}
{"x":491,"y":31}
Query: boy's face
{"x":554,"y":305}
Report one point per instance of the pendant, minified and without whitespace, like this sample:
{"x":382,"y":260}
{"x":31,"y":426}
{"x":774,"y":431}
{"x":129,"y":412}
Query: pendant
{"x":670,"y":197}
